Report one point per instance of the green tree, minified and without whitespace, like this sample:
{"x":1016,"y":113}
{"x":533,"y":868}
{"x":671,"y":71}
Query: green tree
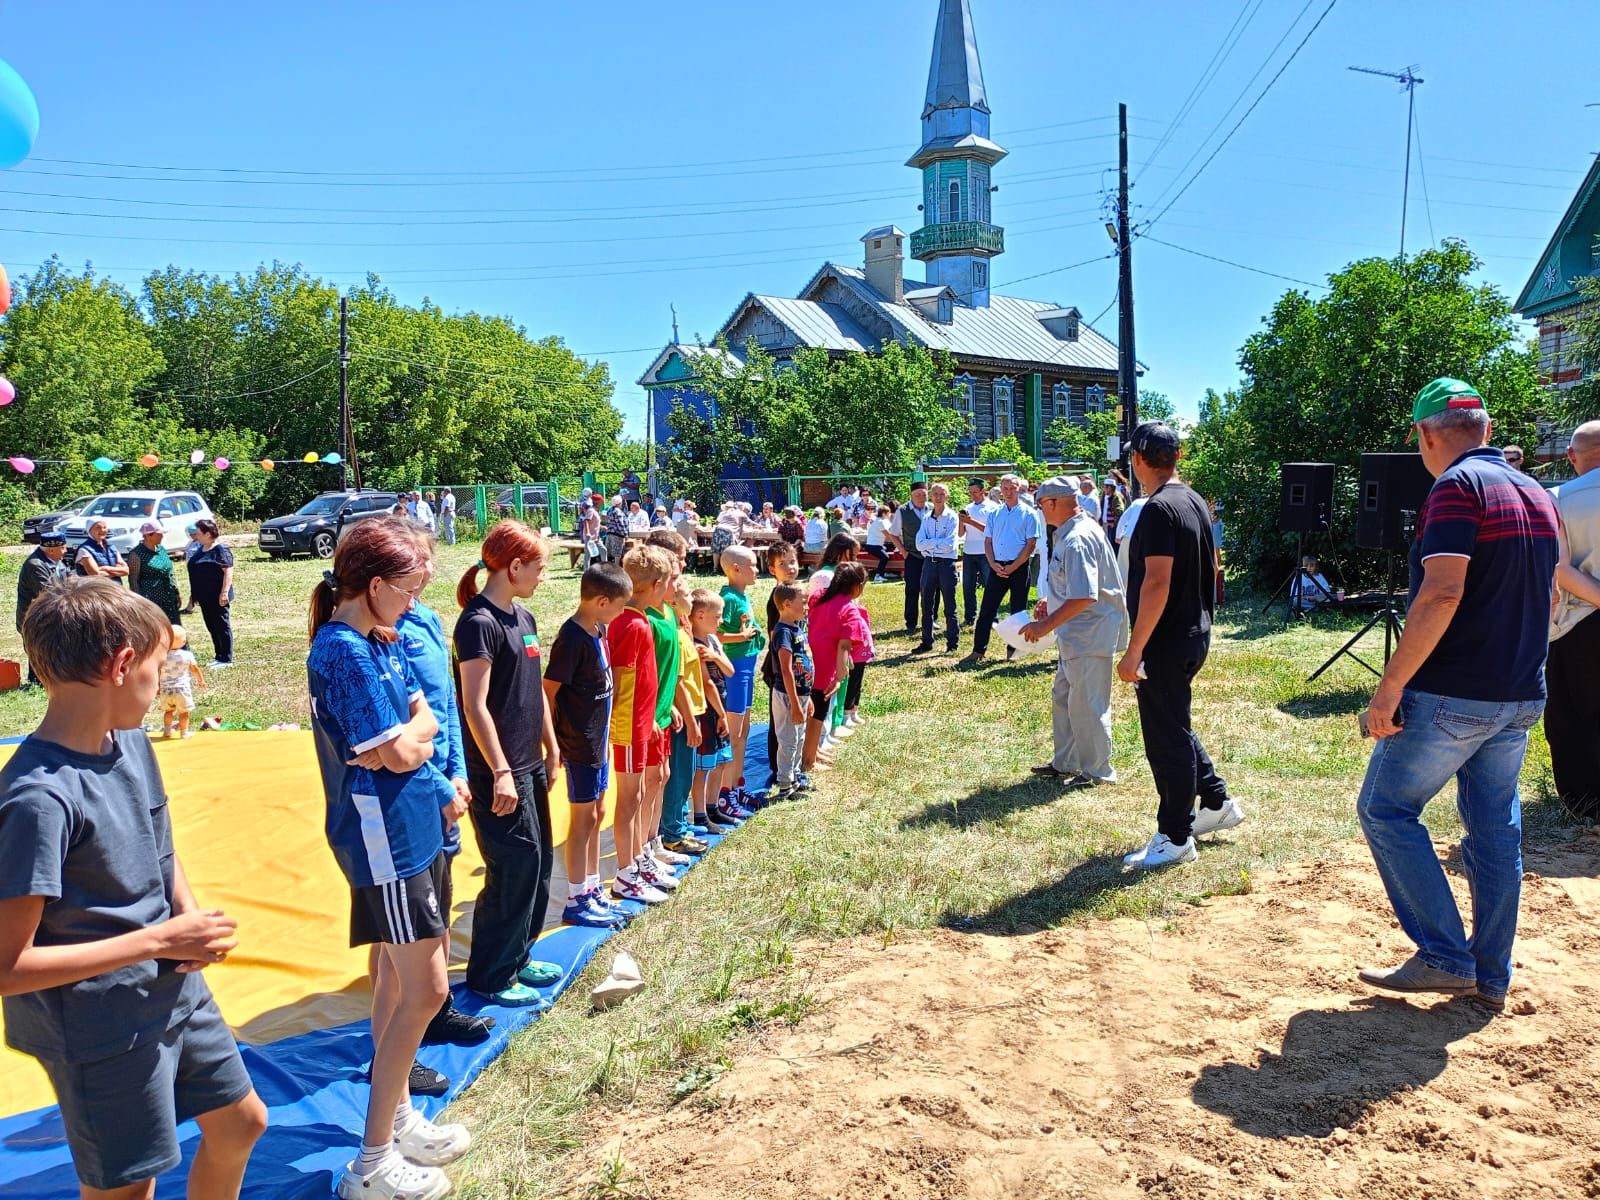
{"x":719,"y":429}
{"x":1008,"y":450}
{"x":1330,"y":378}
{"x":1153,"y":406}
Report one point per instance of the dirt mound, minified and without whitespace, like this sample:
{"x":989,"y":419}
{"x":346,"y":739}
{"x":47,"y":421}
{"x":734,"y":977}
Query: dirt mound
{"x":1229,"y":1052}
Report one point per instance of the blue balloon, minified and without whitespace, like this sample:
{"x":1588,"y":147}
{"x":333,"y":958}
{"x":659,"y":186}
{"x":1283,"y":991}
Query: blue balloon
{"x":19,"y":117}
{"x":332,"y":459}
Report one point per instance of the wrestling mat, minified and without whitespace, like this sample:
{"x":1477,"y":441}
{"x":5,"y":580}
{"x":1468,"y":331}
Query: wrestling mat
{"x":247,"y":814}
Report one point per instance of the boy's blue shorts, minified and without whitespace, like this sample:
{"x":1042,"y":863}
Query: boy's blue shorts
{"x":586,"y":782}
{"x":121,"y":1114}
{"x":742,"y":684}
{"x":718,"y":755}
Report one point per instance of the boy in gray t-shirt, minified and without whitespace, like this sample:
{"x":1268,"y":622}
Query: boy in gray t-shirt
{"x":101,"y":941}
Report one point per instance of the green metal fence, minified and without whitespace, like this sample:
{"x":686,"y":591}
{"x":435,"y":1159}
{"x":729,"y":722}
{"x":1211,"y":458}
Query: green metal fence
{"x":548,"y":504}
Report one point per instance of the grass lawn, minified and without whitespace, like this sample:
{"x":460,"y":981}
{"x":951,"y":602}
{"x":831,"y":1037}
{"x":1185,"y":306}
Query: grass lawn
{"x":930,"y":819}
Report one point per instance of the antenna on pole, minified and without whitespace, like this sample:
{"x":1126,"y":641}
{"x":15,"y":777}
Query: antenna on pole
{"x":1408,"y":80}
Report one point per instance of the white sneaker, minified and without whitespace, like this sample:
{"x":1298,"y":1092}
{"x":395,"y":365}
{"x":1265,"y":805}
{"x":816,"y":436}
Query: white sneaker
{"x":855,"y":720}
{"x":429,"y":1145}
{"x":846,"y":730}
{"x":653,"y":875}
{"x":628,"y":886}
{"x":395,"y":1180}
{"x":1161,"y":851}
{"x":1211,"y":820}
{"x":670,"y":857}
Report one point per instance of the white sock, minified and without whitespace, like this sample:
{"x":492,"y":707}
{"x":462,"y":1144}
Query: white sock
{"x":402,"y":1113}
{"x":591,"y":883}
{"x":574,"y":890}
{"x":373,"y":1159}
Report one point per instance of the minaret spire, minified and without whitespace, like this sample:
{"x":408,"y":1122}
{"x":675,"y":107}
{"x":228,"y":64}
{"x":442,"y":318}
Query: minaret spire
{"x":957,"y":239}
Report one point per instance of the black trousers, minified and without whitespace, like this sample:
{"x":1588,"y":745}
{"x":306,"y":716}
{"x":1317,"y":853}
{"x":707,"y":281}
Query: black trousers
{"x":1012,"y":590}
{"x":974,"y":574}
{"x":1178,"y":762}
{"x":510,"y":909}
{"x":939,"y":584}
{"x":882,"y":555}
{"x":219,"y":624}
{"x":1572,"y":716}
{"x":852,"y":689}
{"x":913,"y":590}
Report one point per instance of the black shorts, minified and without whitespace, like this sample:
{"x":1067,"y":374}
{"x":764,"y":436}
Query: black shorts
{"x":404,"y":910}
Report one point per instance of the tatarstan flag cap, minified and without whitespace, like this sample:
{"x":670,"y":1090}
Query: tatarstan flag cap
{"x":1441,"y":395}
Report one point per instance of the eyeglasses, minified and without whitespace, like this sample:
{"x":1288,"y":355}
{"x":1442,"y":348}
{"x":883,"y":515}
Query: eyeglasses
{"x":1513,"y":458}
{"x":409,"y":593}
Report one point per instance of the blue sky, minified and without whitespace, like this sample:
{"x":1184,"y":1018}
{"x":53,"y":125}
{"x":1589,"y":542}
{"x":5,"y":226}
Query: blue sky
{"x":581,"y":167}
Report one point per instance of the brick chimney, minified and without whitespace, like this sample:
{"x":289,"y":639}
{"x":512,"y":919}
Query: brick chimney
{"x":886,"y":262}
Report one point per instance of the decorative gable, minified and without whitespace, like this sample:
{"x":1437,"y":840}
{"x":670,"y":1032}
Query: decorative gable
{"x":1570,"y":255}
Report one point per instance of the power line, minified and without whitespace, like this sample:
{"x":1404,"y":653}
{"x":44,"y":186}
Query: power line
{"x":1245,"y":116}
{"x":1230,"y":263}
{"x":1207,"y":76}
{"x":288,"y":383}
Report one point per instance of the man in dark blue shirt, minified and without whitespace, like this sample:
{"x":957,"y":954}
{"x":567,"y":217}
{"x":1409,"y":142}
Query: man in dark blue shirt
{"x":1465,"y":685}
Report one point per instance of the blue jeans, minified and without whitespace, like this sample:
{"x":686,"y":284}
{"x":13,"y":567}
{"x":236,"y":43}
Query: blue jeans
{"x":1482,"y":744}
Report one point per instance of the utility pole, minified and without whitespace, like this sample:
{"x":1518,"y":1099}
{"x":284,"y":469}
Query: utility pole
{"x":1127,"y":361}
{"x":1408,"y":80}
{"x":347,"y":442}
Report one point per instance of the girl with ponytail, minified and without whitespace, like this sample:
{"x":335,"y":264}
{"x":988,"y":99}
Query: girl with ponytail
{"x":374,"y":738}
{"x":512,"y":755}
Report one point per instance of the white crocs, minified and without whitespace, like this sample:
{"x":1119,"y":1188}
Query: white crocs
{"x":395,"y":1180}
{"x":429,"y":1145}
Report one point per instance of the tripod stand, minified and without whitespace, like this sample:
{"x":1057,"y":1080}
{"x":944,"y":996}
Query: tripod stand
{"x":1391,"y":618}
{"x":1287,"y":589}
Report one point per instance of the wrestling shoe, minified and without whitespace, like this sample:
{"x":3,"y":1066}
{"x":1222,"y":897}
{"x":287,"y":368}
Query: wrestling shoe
{"x":584,"y":913}
{"x":428,"y":1145}
{"x":722,"y":812}
{"x":395,"y":1180}
{"x":1161,"y":851}
{"x":1213,"y":820}
{"x":629,"y":886}
{"x":452,"y":1026}
{"x":650,"y":874}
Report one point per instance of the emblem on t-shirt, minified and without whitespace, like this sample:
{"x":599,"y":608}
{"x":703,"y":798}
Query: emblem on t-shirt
{"x":530,"y":645}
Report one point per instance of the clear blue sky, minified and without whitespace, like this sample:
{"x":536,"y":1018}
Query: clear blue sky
{"x":537,"y":160}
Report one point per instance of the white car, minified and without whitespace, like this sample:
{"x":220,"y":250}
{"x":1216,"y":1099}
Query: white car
{"x":124,"y":512}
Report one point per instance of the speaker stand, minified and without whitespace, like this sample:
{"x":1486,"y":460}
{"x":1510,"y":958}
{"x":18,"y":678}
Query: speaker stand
{"x":1391,"y":618}
{"x":1286,"y":588}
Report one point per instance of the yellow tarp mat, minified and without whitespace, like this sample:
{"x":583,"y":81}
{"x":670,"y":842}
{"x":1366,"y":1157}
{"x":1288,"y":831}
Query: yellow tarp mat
{"x":247,"y":813}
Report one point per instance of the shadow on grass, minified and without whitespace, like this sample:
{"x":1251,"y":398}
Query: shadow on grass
{"x":1050,"y":903}
{"x":1334,"y":1066}
{"x":1348,"y":700}
{"x":986,"y":805}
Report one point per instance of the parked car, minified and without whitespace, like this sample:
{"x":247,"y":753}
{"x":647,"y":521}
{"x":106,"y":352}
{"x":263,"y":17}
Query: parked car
{"x":314,"y":528}
{"x":124,"y":512}
{"x":32,"y":527}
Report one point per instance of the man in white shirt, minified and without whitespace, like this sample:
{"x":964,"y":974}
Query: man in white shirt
{"x":423,"y":513}
{"x":1080,"y":602}
{"x":1572,"y":713}
{"x":447,"y":516}
{"x":902,"y":534}
{"x":974,"y":566}
{"x":1010,"y":538}
{"x":938,"y":542}
{"x":1087,"y":501}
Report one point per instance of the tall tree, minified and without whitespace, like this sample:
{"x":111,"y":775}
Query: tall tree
{"x":1329,"y":378}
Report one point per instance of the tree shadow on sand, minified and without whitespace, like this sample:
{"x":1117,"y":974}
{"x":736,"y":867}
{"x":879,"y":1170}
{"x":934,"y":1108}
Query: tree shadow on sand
{"x":1051,"y":902}
{"x":1335,"y":1065}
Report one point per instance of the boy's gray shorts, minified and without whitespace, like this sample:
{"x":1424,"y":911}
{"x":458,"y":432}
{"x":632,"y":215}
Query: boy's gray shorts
{"x":122,"y":1113}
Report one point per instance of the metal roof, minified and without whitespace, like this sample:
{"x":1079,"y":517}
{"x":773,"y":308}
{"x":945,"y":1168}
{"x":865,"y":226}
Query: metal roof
{"x":825,"y":325}
{"x":652,"y":373}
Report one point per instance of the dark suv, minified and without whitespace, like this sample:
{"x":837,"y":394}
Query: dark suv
{"x":314,"y":528}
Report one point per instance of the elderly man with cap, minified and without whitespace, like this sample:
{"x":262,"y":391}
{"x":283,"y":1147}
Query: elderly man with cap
{"x":616,"y":527}
{"x":1456,"y":700}
{"x":1172,"y":593}
{"x":1081,"y":603}
{"x":1572,"y":717}
{"x":45,"y":566}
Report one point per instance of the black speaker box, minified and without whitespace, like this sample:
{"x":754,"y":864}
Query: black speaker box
{"x":1305,"y":504}
{"x":1393,"y":489}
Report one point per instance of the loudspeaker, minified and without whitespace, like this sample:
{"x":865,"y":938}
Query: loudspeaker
{"x":1393,"y":489}
{"x":1306,"y":503}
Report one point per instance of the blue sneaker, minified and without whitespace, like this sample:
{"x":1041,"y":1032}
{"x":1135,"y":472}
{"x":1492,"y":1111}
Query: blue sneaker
{"x":603,"y":906}
{"x":584,"y":912}
{"x":518,"y":995}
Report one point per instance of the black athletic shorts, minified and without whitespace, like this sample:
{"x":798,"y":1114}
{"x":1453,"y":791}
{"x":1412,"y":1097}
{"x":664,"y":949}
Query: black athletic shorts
{"x":404,"y":910}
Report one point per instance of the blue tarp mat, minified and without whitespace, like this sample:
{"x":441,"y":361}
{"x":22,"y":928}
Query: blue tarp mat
{"x":314,"y":1086}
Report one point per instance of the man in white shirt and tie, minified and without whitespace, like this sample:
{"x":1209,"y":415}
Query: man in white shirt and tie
{"x":938,"y":542}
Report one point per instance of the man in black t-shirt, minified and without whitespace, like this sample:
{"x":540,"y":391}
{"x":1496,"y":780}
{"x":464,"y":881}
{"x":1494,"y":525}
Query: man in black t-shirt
{"x":1171,"y":595}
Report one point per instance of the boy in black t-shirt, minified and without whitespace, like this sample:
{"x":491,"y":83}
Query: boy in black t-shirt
{"x":789,"y":675}
{"x":577,"y":686}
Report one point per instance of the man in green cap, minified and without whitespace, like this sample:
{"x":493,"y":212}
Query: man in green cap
{"x":1457,"y":699}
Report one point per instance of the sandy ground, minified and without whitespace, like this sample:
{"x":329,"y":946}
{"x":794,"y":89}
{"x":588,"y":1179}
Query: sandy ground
{"x":1229,"y":1053}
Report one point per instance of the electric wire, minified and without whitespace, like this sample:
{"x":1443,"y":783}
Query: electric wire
{"x":1207,"y":76}
{"x":1231,"y":263}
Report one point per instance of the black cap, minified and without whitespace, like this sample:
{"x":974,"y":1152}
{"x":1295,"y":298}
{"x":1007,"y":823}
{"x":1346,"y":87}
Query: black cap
{"x":1156,"y":437}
